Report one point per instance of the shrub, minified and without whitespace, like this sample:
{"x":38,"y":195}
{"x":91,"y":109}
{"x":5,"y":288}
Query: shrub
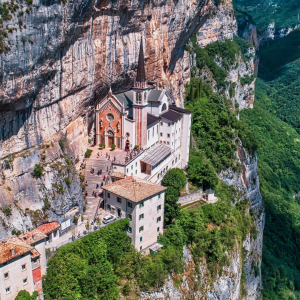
{"x":16,"y":232}
{"x":90,"y":140}
{"x":113,"y":146}
{"x":136,"y":146}
{"x":174,"y":178}
{"x":37,"y":171}
{"x":24,"y":295}
{"x":67,"y":181}
{"x":88,"y":153}
{"x":102,"y":145}
{"x":7,"y":210}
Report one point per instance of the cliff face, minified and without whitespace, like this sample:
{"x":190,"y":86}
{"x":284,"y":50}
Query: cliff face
{"x":64,"y":56}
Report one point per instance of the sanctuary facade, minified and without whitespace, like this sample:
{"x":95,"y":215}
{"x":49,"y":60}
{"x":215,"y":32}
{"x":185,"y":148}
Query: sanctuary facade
{"x":144,"y":118}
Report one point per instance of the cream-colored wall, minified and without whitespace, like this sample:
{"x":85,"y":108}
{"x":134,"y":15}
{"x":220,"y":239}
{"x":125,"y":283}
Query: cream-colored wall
{"x":40,"y":247}
{"x":129,"y":126}
{"x":16,"y":276}
{"x":153,"y":135}
{"x":185,"y":139}
{"x":149,"y":222}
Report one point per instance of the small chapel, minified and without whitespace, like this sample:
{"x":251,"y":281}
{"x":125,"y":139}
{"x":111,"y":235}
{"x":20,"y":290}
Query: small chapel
{"x":144,"y":118}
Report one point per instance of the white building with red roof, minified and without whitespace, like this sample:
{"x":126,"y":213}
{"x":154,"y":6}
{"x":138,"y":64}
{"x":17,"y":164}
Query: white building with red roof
{"x":142,"y":202}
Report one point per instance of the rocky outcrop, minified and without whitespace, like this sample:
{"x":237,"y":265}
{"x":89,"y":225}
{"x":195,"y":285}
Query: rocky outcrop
{"x":66,"y":54}
{"x":219,"y":26}
{"x":28,"y":200}
{"x":243,"y":259}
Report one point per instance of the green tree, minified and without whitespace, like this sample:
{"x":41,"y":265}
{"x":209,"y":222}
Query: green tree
{"x":201,"y":172}
{"x":174,"y":178}
{"x":171,"y":205}
{"x":37,"y":171}
{"x":24,"y":295}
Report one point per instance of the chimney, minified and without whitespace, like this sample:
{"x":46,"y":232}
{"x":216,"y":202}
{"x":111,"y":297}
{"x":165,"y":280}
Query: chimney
{"x":12,"y":251}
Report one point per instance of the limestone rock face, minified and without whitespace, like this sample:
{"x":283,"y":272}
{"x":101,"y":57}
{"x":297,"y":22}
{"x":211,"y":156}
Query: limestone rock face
{"x":228,"y":286}
{"x":28,"y":201}
{"x":65,"y":56}
{"x":220,"y":25}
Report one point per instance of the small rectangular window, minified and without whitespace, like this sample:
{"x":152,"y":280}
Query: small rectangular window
{"x":129,"y":216}
{"x":161,"y":134}
{"x":24,"y":267}
{"x":119,"y":200}
{"x":136,"y":164}
{"x":141,"y":205}
{"x":129,"y":229}
{"x":141,"y":229}
{"x":158,"y":196}
{"x":141,"y":239}
{"x":158,"y":207}
{"x":148,"y":134}
{"x":157,"y":229}
{"x":161,"y":123}
{"x":168,"y":135}
{"x":157,"y":129}
{"x":135,"y":171}
{"x":25,"y":281}
{"x":132,"y":167}
{"x":108,"y":195}
{"x":7,"y":290}
{"x":129,"y":204}
{"x":6,"y":275}
{"x":169,"y":124}
{"x":158,"y":219}
{"x":108,"y":206}
{"x":141,"y":217}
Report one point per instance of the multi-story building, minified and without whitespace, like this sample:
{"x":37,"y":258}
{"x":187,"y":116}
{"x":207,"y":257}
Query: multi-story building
{"x":143,"y":117}
{"x":142,"y":202}
{"x":16,"y":272}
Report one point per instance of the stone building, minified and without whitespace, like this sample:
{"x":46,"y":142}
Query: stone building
{"x":144,"y":118}
{"x":142,"y":202}
{"x":18,"y":261}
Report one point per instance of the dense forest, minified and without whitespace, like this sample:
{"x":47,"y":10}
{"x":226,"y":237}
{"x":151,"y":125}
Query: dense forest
{"x":105,"y":265}
{"x":284,"y":13}
{"x":279,"y":171}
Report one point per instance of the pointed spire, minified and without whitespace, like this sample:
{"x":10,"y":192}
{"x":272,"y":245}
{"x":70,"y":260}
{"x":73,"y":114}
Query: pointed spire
{"x":140,"y":76}
{"x":110,"y":92}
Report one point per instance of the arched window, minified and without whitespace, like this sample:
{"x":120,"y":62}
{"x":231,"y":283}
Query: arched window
{"x":164,"y":107}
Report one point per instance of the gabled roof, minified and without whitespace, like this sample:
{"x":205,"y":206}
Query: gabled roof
{"x":12,"y":247}
{"x":134,"y":189}
{"x":48,"y":227}
{"x":34,"y":254}
{"x":171,"y":115}
{"x":32,"y":237}
{"x":125,"y":98}
{"x":151,"y":120}
{"x":157,"y":154}
{"x":117,"y":175}
{"x":180,"y":110}
{"x":154,"y":95}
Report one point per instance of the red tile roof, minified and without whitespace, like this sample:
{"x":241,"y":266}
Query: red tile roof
{"x":117,"y":175}
{"x":134,"y":189}
{"x":34,"y":254}
{"x":32,"y":237}
{"x":12,"y":247}
{"x":48,"y":227}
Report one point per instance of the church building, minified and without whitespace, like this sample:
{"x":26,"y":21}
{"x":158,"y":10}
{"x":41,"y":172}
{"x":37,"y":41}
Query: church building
{"x":144,"y":118}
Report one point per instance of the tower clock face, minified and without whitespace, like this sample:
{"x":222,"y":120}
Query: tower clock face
{"x":110,"y":117}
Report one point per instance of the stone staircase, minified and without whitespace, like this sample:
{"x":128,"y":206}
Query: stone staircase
{"x":100,"y":163}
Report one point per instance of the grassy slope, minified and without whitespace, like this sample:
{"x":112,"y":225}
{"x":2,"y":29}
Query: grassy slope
{"x":283,"y":12}
{"x":279,"y":170}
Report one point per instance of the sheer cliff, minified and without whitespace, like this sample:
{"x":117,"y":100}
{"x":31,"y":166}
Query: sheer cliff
{"x":58,"y":57}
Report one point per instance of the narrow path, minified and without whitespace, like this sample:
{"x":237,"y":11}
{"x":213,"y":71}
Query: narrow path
{"x":101,"y":163}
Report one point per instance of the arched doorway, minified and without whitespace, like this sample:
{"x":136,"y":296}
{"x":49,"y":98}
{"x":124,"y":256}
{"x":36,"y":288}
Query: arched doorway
{"x":110,"y":136}
{"x":127,"y":146}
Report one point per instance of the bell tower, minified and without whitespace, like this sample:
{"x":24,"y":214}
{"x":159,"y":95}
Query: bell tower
{"x":140,"y":102}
